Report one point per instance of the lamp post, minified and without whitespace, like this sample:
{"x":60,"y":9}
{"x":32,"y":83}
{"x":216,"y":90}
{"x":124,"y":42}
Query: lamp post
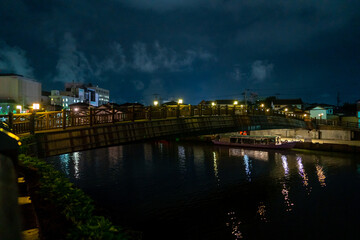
{"x":18,"y":107}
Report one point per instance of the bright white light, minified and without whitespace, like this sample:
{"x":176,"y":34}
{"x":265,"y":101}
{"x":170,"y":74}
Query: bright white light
{"x":235,"y":102}
{"x":36,"y":106}
{"x":180,"y":101}
{"x":156,"y":103}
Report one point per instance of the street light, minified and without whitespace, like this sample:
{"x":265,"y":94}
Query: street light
{"x":213,"y":104}
{"x":236,"y":102}
{"x":180,"y":101}
{"x":36,"y":106}
{"x":262,"y":105}
{"x":156,"y":103}
{"x":19,"y":107}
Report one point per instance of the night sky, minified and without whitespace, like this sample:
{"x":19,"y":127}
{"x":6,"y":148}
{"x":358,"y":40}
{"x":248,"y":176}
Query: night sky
{"x":193,"y":49}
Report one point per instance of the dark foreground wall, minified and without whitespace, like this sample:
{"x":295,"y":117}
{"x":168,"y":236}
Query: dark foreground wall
{"x":71,"y":140}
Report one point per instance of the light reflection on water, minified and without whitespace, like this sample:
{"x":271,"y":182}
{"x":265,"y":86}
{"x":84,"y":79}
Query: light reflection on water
{"x":167,"y":184}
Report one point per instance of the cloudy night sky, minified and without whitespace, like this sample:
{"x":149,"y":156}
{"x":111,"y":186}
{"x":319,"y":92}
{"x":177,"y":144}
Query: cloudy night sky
{"x":193,"y":49}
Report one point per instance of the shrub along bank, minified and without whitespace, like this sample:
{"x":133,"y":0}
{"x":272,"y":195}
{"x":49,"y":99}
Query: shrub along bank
{"x":73,"y":203}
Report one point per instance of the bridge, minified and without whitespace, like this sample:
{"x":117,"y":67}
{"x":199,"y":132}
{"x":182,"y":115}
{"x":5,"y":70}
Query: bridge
{"x":65,"y":131}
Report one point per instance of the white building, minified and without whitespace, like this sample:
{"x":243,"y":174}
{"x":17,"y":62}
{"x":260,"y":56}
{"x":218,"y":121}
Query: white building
{"x":62,"y":99}
{"x":318,"y":112}
{"x":24,"y":91}
{"x":103,"y":94}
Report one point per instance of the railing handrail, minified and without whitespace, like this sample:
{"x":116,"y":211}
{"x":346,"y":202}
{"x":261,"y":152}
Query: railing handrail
{"x":31,"y":122}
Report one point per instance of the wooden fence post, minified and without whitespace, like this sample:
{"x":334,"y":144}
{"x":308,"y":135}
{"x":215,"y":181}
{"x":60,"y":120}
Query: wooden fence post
{"x":91,"y":120}
{"x":32,"y":123}
{"x":191,"y":109}
{"x":133,"y":113}
{"x":178,"y":111}
{"x":150,"y":111}
{"x":165,"y":112}
{"x":64,"y":118}
{"x":113,"y":114}
{"x":11,"y":120}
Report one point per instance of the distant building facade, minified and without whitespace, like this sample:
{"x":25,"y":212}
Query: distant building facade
{"x":63,"y":99}
{"x":80,"y":93}
{"x":19,"y":90}
{"x":318,"y":112}
{"x":278,"y":104}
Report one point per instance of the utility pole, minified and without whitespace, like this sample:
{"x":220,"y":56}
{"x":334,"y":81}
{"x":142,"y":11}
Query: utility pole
{"x":245,"y":96}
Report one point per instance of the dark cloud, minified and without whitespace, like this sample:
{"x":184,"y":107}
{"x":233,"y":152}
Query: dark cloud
{"x":13,"y":59}
{"x":218,"y":47}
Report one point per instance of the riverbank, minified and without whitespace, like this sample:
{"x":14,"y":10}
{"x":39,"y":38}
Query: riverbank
{"x":314,"y":144}
{"x":64,"y":211}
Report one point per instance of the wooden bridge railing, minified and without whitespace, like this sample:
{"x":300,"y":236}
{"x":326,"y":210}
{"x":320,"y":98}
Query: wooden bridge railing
{"x":38,"y":121}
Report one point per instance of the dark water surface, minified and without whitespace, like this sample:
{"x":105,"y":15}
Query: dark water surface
{"x":172,"y":190}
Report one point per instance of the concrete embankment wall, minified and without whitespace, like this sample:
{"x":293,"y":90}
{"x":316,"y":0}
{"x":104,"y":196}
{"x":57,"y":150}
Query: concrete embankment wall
{"x":71,"y":140}
{"x":331,"y":134}
{"x":328,"y":147}
{"x":79,"y":139}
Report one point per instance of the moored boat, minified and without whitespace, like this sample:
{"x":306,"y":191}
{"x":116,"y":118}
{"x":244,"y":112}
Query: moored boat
{"x":265,"y":142}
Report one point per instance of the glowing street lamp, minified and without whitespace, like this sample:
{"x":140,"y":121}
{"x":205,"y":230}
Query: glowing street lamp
{"x":236,"y":102}
{"x":36,"y":106}
{"x":19,"y":107}
{"x":180,"y":101}
{"x":320,"y":115}
{"x":262,"y":105}
{"x":156,"y":103}
{"x":286,"y":109}
{"x":213,"y":104}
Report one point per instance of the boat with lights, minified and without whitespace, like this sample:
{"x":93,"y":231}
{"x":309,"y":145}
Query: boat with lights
{"x":246,"y":141}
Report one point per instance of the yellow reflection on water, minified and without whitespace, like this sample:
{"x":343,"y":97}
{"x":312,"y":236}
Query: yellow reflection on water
{"x":216,"y":171}
{"x":258,"y":155}
{"x":321,"y":175}
{"x":288,"y":204}
{"x":262,"y":212}
{"x":234,"y":224}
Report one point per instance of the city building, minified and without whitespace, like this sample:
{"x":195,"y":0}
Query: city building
{"x":17,"y":90}
{"x":103,"y":94}
{"x":278,"y":104}
{"x":94,"y":95}
{"x":222,"y":103}
{"x":62,"y":99}
{"x":318,"y":112}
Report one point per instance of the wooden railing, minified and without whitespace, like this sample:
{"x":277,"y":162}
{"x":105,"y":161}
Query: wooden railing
{"x":38,"y":121}
{"x":342,"y":124}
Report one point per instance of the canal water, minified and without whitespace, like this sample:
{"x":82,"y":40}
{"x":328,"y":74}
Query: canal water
{"x":183,"y":190}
